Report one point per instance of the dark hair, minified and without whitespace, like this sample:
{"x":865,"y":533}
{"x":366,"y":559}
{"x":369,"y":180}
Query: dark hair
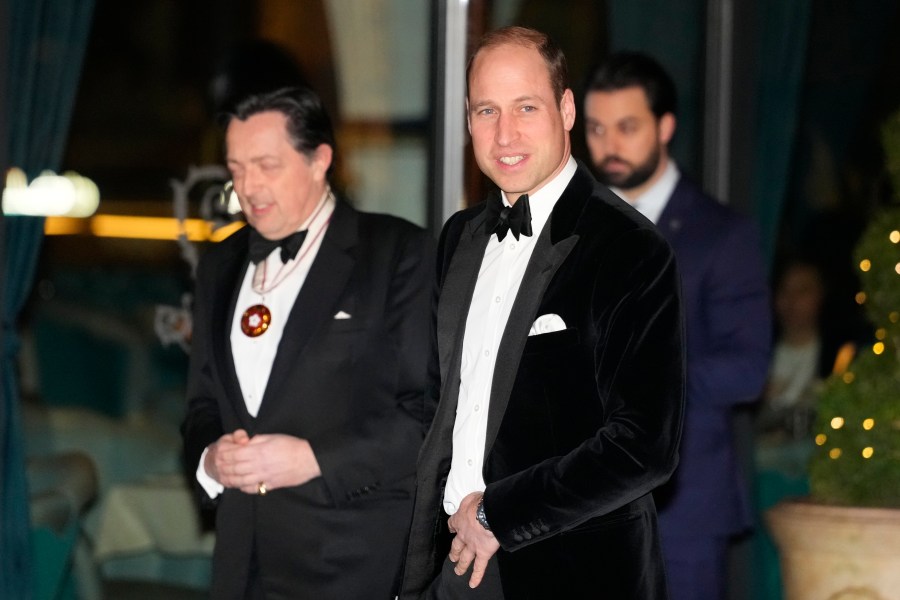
{"x":308,"y":123}
{"x":529,"y":38}
{"x":634,"y":69}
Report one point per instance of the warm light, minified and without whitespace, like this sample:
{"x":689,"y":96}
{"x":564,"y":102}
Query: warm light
{"x":868,"y":424}
{"x":895,"y":236}
{"x":868,"y":452}
{"x":49,"y":194}
{"x":153,"y":228}
{"x":897,"y":268}
{"x":848,"y":377}
{"x":821,"y":439}
{"x":843,"y":359}
{"x":865,"y":264}
{"x":860,"y":297}
{"x":837,"y":422}
{"x":894,"y":317}
{"x":878,"y":347}
{"x":834,"y":453}
{"x":880,"y":333}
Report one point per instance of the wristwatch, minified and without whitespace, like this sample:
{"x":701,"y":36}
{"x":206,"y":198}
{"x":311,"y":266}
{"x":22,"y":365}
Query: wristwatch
{"x":479,"y":515}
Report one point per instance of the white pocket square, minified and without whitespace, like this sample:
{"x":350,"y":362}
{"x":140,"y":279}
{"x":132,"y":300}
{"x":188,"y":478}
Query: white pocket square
{"x":342,"y":315}
{"x":547,"y":324}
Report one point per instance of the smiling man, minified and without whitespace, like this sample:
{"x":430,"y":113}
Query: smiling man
{"x":558,"y":362}
{"x":307,"y":370}
{"x":630,"y":120}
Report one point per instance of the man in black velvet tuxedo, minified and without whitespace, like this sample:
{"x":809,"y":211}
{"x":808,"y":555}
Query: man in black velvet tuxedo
{"x":307,"y":371}
{"x":558,"y":361}
{"x":630,"y":119}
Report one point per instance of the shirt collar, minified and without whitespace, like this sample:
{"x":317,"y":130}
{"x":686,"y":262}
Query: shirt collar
{"x":652,"y":202}
{"x":542,"y":201}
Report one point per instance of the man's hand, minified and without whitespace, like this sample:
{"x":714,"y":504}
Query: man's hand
{"x":472,"y":542}
{"x":238,"y":461}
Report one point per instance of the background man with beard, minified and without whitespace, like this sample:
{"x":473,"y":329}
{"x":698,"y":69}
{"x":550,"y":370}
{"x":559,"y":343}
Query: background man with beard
{"x":630,"y":120}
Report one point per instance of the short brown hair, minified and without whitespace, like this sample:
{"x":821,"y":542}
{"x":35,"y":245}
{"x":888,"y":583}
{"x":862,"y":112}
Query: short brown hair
{"x":529,"y":38}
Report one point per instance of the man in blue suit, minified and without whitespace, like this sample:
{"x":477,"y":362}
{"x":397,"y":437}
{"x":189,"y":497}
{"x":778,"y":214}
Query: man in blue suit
{"x":630,"y":119}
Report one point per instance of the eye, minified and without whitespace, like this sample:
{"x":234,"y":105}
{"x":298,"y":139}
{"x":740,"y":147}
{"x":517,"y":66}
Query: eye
{"x":486,"y":111}
{"x":529,"y":108}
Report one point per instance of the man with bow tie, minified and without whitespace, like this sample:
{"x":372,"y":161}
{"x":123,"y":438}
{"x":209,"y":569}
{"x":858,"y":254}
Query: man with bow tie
{"x":558,"y":362}
{"x":305,"y":394}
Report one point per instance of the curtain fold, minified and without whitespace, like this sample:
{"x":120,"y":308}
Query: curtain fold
{"x":45,"y":49}
{"x":784,"y":28}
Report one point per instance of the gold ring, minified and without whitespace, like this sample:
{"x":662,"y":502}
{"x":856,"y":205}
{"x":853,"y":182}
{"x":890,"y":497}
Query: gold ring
{"x":261,"y":488}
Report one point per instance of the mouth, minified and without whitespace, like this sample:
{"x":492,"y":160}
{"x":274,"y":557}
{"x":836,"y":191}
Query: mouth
{"x":512,"y":160}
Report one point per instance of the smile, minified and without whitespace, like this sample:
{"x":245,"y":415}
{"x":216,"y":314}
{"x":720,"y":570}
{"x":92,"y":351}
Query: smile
{"x":511,"y":160}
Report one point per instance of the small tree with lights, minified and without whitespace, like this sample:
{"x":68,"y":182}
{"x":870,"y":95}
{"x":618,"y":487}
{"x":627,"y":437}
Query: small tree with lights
{"x":857,"y":456}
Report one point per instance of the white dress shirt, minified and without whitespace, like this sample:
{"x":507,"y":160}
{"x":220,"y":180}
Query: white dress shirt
{"x":499,"y":277}
{"x":652,"y":202}
{"x":254,"y":356}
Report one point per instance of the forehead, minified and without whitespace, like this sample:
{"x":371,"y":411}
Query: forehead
{"x":510,"y":67}
{"x":616,"y":104}
{"x":259,"y":133}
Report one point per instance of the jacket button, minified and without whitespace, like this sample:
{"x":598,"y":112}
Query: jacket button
{"x":518,"y":537}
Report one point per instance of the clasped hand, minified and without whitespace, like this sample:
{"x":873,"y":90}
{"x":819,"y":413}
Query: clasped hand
{"x":473,"y":544}
{"x":236,"y":460}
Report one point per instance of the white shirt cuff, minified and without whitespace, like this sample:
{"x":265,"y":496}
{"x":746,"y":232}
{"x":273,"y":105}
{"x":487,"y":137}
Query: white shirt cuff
{"x":212,"y":487}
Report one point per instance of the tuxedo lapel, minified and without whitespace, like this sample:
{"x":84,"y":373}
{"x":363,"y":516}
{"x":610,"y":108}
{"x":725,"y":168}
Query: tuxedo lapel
{"x":545,"y":260}
{"x":229,"y":275}
{"x":453,"y":309}
{"x":314,"y":306}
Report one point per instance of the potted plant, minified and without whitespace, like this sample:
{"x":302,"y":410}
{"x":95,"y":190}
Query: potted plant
{"x":843,"y":541}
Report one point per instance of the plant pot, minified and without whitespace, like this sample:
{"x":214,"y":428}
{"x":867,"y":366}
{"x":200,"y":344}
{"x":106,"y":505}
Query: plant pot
{"x":837,"y":552}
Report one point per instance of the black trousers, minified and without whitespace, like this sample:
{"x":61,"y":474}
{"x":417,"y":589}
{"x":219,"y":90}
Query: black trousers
{"x":450,"y":586}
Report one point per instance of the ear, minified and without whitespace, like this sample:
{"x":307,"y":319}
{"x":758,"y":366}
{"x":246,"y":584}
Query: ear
{"x":321,"y":160}
{"x":567,"y":108}
{"x":468,"y":118}
{"x":666,"y":128}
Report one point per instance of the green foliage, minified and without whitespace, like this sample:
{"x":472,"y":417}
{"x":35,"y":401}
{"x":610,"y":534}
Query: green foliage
{"x":859,"y":411}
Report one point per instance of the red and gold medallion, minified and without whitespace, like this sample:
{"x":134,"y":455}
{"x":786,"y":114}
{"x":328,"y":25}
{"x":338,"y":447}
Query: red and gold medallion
{"x":255,"y":320}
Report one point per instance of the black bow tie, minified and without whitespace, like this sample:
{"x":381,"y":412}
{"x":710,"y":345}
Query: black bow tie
{"x":501,"y":218}
{"x":261,"y":247}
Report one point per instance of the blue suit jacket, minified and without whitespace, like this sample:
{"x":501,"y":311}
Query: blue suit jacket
{"x":727,"y":327}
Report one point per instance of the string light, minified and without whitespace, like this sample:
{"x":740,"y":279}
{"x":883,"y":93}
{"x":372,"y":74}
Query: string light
{"x":837,"y":422}
{"x":834,"y":453}
{"x":895,"y":236}
{"x":860,"y":298}
{"x":848,"y":377}
{"x":878,"y":348}
{"x":864,"y":265}
{"x":868,"y":452}
{"x":868,"y":424}
{"x":880,"y":333}
{"x":821,"y":439}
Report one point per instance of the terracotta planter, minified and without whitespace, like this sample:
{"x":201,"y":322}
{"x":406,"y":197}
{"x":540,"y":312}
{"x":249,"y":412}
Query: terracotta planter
{"x":836,"y":552}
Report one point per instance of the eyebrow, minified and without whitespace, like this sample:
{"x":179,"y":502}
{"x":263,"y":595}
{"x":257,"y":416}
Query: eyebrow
{"x":526,"y":98}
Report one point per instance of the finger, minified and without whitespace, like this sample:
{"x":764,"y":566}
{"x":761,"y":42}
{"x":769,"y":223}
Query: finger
{"x":465,"y":559}
{"x":450,"y":527}
{"x":478,"y":570}
{"x":455,"y":550}
{"x":241,"y":437}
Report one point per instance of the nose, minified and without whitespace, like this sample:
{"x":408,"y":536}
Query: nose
{"x":246,"y":184}
{"x":507,"y":130}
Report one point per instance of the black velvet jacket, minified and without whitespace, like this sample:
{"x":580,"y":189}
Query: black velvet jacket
{"x":583,"y":423}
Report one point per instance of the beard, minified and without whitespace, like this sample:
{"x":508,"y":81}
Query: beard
{"x":637,"y":176}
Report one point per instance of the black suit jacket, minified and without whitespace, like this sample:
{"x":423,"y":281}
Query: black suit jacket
{"x":352,"y":387}
{"x":583,"y":423}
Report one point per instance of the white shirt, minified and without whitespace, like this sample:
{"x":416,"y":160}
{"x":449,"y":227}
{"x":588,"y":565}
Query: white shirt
{"x":652,"y":202}
{"x":499,"y":277}
{"x":254,"y":356}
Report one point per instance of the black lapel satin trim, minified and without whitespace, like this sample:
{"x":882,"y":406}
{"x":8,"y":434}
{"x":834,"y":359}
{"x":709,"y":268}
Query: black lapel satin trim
{"x":453,"y":309}
{"x":544,"y":262}
{"x":229,"y":276}
{"x":316,"y":302}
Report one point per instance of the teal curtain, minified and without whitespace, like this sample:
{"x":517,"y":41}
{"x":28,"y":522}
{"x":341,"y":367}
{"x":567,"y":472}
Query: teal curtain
{"x":672,"y":32}
{"x":784,"y":30}
{"x":44,"y":52}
